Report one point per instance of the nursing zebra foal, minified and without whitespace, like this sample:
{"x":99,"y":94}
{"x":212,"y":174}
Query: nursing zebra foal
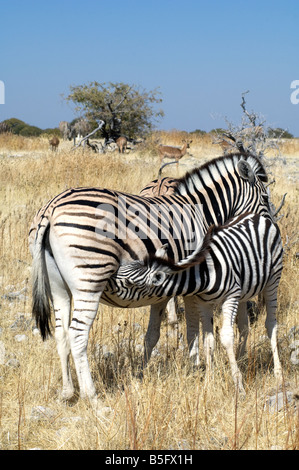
{"x":81,"y":237}
{"x":233,"y":264}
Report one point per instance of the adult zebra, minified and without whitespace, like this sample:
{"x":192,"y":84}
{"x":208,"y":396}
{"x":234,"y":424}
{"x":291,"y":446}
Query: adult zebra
{"x":164,"y":187}
{"x":80,"y":238}
{"x":233,"y":264}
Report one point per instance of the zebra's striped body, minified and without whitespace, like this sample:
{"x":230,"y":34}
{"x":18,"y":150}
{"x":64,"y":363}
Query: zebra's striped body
{"x":238,"y":262}
{"x":82,"y":236}
{"x":164,"y":187}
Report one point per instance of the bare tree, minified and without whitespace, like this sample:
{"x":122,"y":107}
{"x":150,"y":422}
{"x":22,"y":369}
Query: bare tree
{"x":250,"y":137}
{"x":86,"y":138}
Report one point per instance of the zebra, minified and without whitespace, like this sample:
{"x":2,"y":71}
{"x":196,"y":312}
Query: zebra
{"x":233,"y":264}
{"x":164,"y":186}
{"x":160,"y":187}
{"x":81,"y":237}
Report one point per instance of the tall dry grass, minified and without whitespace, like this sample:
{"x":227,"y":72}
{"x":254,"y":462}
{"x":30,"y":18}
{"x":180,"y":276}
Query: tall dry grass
{"x":175,"y":406}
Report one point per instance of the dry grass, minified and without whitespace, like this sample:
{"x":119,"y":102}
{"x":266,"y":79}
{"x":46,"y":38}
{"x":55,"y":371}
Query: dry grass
{"x":174,"y":407}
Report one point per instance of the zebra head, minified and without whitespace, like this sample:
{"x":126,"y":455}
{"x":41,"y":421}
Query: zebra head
{"x":154,"y":270}
{"x":251,"y":171}
{"x":146,"y":273}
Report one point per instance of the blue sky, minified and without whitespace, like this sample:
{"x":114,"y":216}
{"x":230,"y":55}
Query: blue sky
{"x":202,"y":55}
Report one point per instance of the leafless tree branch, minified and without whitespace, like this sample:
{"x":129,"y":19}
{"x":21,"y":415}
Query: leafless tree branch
{"x":280,"y":205}
{"x":163,"y":166}
{"x":101,"y":124}
{"x":269,"y":184}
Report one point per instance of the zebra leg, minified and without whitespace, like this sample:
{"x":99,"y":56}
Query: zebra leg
{"x":172,"y":311}
{"x":61,"y":299}
{"x":270,"y":297}
{"x":229,"y":312}
{"x":206,"y":318}
{"x":196,"y":311}
{"x":192,"y":323}
{"x":243,"y":325}
{"x":84,"y":312}
{"x":153,"y":330}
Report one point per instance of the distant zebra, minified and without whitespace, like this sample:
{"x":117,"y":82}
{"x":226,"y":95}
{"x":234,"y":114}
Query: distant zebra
{"x":81,"y":237}
{"x":235,"y":263}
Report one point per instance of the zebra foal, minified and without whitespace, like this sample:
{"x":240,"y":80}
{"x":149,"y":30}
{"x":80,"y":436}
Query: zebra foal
{"x":81,"y":238}
{"x":234,"y":263}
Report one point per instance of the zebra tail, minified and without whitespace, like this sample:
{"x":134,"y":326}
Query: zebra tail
{"x":41,"y":292}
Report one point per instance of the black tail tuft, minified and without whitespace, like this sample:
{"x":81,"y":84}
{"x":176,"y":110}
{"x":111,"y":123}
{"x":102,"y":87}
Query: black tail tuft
{"x":41,"y":292}
{"x":41,"y":312}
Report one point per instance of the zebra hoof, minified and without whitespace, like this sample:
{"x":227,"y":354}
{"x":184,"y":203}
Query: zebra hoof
{"x":68,"y":395}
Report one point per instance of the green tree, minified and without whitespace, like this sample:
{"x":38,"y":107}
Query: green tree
{"x":279,"y":133}
{"x":16,"y":126}
{"x":125,"y":109}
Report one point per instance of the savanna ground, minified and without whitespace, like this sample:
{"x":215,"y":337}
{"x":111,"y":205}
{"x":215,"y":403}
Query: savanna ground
{"x":174,"y":407}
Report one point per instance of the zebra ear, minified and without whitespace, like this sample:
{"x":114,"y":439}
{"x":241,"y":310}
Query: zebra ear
{"x":246,"y":171}
{"x":162,"y":252}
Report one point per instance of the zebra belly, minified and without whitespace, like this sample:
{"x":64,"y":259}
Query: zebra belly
{"x":113,"y":300}
{"x":218,"y":298}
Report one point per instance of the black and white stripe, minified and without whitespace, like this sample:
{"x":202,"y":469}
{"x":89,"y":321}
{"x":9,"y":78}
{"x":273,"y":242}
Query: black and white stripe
{"x":164,"y":187}
{"x":235,"y":263}
{"x":81,"y":237}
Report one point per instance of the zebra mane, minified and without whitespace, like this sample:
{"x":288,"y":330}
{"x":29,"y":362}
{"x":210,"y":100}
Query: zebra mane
{"x":223,"y":165}
{"x":199,"y":255}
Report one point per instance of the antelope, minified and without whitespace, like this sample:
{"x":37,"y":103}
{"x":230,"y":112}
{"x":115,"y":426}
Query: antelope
{"x":54,"y":142}
{"x":166,"y":151}
{"x":121,"y":142}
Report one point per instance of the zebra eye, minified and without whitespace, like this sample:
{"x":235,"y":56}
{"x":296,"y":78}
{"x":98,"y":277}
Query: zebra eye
{"x":128,"y":283}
